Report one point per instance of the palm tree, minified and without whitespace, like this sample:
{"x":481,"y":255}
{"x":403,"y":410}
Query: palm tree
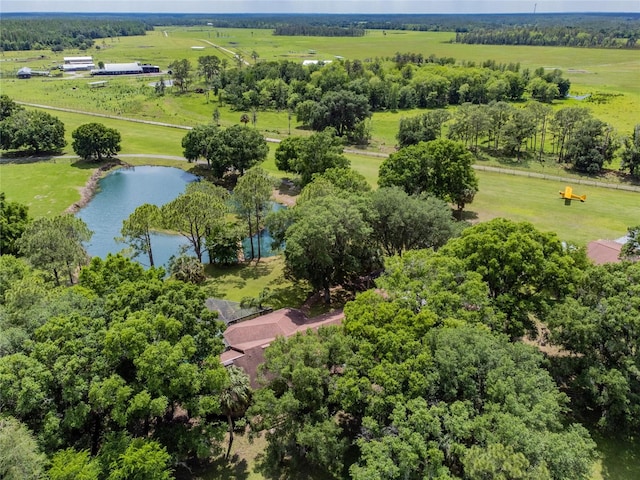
{"x":235,"y":398}
{"x":244,"y":118}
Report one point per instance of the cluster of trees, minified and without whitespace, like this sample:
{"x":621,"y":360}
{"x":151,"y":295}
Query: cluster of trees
{"x":576,"y":138}
{"x":14,"y":217}
{"x":60,"y":33}
{"x":202,"y":215}
{"x":118,"y":377}
{"x":427,"y":379}
{"x":94,"y":141}
{"x":415,"y":82}
{"x":301,"y":29}
{"x":234,"y":149}
{"x":427,"y":376}
{"x":36,"y":132}
{"x":339,"y":229}
{"x":443,"y":168}
{"x":614,"y":25}
{"x":31,"y":130}
{"x":556,"y":36}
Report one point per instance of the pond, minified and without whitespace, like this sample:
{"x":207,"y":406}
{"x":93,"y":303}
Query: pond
{"x":125,"y":189}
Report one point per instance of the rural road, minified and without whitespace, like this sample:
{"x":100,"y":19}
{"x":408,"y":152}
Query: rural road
{"x":485,"y":168}
{"x":226,"y":50}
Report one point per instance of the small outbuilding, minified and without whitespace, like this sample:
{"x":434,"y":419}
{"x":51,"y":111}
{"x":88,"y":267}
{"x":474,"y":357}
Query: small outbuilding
{"x":24,"y":72}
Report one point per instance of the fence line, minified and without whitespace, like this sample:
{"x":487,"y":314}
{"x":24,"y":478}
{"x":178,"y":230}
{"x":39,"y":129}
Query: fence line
{"x":544,"y":176}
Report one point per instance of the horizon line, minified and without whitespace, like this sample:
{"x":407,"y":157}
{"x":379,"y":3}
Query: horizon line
{"x":544,"y":12}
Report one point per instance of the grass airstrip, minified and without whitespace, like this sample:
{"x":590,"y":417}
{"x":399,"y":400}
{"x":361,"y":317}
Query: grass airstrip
{"x":49,"y":186}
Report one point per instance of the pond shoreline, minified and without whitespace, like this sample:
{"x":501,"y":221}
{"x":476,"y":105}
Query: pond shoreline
{"x":88,"y":191}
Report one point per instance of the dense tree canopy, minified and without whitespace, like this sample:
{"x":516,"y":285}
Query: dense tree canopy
{"x":401,"y":222}
{"x":415,"y":386}
{"x":442,"y":168}
{"x":119,"y":377}
{"x":237,"y":148}
{"x":329,"y":243}
{"x":32,"y":130}
{"x":308,"y":156}
{"x":341,"y":110}
{"x":591,"y":146}
{"x":195,"y":213}
{"x":631,"y":153}
{"x":20,"y":455}
{"x":207,"y":142}
{"x":55,"y":245}
{"x":600,"y":323}
{"x":526,"y":270}
{"x":57,"y":34}
{"x":14,"y":218}
{"x":95,"y":141}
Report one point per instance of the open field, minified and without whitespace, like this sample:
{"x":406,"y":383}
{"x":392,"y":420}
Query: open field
{"x":605,"y":215}
{"x":590,"y":71}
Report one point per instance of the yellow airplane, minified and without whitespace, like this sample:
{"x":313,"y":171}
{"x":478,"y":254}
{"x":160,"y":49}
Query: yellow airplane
{"x":568,"y":195}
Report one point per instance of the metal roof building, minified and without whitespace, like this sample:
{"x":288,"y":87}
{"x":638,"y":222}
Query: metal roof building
{"x":76,"y":60}
{"x":118,"y":69}
{"x":73,"y":67}
{"x":24,"y":72}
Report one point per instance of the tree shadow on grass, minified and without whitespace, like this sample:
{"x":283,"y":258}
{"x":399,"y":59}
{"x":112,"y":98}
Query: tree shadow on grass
{"x":620,"y":457}
{"x":469,"y":215}
{"x":291,"y":295}
{"x":285,"y":470}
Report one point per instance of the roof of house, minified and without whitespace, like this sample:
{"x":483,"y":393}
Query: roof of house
{"x":604,"y":251}
{"x":24,"y":71}
{"x":247,"y":340}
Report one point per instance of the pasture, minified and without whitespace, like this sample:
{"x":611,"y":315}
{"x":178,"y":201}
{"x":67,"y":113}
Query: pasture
{"x":590,"y":71}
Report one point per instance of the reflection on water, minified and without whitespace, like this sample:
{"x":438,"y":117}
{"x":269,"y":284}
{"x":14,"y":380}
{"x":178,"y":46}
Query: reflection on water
{"x":125,"y":189}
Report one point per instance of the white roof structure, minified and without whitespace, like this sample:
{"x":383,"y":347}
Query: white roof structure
{"x":72,"y":67}
{"x":133,"y":68}
{"x":123,"y":67}
{"x":315,"y":62}
{"x":78,"y":60}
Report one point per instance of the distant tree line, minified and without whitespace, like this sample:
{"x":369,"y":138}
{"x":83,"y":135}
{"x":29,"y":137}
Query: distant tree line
{"x":556,"y":36}
{"x":318,"y":30}
{"x":621,"y":23}
{"x":62,"y":33}
{"x":417,"y":81}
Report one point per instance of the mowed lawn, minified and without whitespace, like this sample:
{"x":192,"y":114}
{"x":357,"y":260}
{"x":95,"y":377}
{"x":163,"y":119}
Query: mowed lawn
{"x":46,"y":187}
{"x":606,"y":214}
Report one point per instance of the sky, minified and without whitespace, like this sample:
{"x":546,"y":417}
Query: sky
{"x":316,"y":6}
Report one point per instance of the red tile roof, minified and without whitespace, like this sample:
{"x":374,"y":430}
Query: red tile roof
{"x":248,"y":339}
{"x":604,"y":251}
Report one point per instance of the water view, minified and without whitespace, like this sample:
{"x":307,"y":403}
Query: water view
{"x":125,"y":189}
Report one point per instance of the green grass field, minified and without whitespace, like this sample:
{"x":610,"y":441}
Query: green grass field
{"x":590,"y":71}
{"x":49,"y":187}
{"x":605,"y":215}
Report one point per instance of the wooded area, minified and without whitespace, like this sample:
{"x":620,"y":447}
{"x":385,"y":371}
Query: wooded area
{"x":109,"y":371}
